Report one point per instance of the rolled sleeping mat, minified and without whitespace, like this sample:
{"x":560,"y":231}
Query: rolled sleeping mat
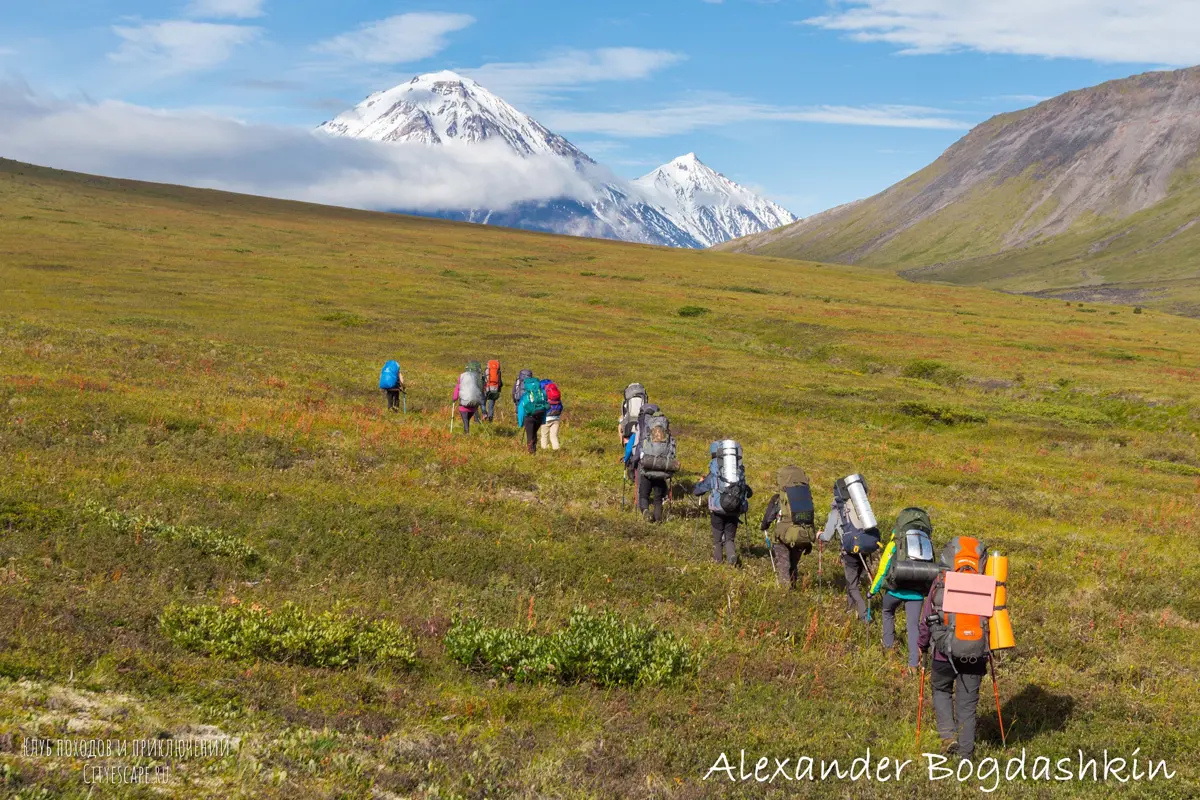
{"x":915,"y":575}
{"x":1000,"y":630}
{"x":856,"y":487}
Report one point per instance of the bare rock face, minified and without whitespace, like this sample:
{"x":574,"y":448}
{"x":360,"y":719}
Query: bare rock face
{"x":1107,"y":152}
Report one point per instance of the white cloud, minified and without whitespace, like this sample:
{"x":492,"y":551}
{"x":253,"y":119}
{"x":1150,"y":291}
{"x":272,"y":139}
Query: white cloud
{"x":225,"y":9}
{"x":524,"y":81}
{"x":1146,"y":31}
{"x":207,"y":151}
{"x":178,"y":46}
{"x":7,"y":51}
{"x":397,"y":40}
{"x":686,"y":117}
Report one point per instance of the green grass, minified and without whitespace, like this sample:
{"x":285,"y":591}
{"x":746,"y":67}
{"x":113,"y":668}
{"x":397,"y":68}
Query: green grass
{"x":184,"y":386}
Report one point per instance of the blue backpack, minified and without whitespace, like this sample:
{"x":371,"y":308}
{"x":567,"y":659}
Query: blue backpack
{"x":389,"y":378}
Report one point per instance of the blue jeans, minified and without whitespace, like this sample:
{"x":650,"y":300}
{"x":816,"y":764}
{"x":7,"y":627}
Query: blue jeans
{"x":489,"y":408}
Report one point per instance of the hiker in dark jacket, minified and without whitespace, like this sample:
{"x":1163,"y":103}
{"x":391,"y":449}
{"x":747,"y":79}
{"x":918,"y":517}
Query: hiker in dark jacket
{"x":785,"y":557}
{"x":724,"y":526}
{"x":648,"y":492}
{"x":518,"y":390}
{"x":840,"y":524}
{"x":955,"y":688}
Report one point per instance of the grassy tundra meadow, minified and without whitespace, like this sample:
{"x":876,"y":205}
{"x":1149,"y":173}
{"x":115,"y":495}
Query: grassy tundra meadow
{"x":209,"y":526}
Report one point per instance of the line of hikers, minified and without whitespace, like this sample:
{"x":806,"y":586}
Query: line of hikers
{"x":537,"y":403}
{"x":906,"y":573}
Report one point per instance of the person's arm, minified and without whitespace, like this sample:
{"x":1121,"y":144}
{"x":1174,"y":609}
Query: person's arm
{"x":457,"y":384}
{"x":521,"y":413}
{"x":629,"y":445}
{"x":831,"y":524}
{"x":704,"y":486}
{"x":923,"y":628}
{"x":771,"y":513}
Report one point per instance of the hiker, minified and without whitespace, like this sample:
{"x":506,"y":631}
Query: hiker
{"x":518,"y":390}
{"x":633,"y":453}
{"x":391,"y":382}
{"x":960,"y":651}
{"x":905,"y":574}
{"x":853,"y":522}
{"x":729,"y":498}
{"x":468,"y":393}
{"x":631,"y":407}
{"x":549,"y":432}
{"x":492,"y":385}
{"x":655,"y":461}
{"x":531,"y":411}
{"x":790,"y":510}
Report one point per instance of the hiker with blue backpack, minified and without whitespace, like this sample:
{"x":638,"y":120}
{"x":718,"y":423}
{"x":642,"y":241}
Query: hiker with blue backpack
{"x":468,"y":393}
{"x":391,"y":382}
{"x":906,"y":572}
{"x":531,"y":410}
{"x":853,"y":522}
{"x":728,"y":497}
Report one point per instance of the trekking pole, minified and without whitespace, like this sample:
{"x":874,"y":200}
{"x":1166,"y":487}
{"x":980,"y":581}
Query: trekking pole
{"x":921,"y":699}
{"x":870,"y":582}
{"x":405,"y":396}
{"x":624,"y":480}
{"x":451,"y":416}
{"x":771,"y":552}
{"x":996,"y":694}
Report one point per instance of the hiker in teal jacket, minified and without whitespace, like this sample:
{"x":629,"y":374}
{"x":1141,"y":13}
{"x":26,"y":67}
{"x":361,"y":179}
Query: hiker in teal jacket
{"x":531,"y":411}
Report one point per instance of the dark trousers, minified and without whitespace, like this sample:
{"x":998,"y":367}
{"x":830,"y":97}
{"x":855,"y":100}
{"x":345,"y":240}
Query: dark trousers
{"x":533,"y":422}
{"x":467,"y":415}
{"x":855,"y":571}
{"x":393,"y":399}
{"x":724,"y":531}
{"x":912,"y":625}
{"x":786,"y":558}
{"x":955,"y":700}
{"x":489,"y":408}
{"x":650,"y":493}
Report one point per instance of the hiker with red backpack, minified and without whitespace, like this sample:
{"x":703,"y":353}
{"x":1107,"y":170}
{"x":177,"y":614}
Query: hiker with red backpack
{"x":468,"y":393}
{"x":853,"y":522}
{"x":548,"y":435}
{"x":493,"y":383}
{"x":531,"y":411}
{"x":960,"y":650}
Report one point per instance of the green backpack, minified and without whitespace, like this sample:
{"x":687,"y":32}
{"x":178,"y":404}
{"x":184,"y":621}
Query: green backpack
{"x":797,"y":517}
{"x":912,"y":533}
{"x":535,"y":397}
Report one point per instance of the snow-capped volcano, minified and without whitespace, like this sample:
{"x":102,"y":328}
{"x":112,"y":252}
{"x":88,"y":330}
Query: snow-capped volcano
{"x":681,"y":204}
{"x":708,"y":205}
{"x":443,"y":107}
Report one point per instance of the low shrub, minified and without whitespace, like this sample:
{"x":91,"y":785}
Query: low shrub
{"x":935,"y":371}
{"x":693,"y":311}
{"x":942,"y":414}
{"x":208,"y":541}
{"x":599,"y":648}
{"x":288,"y":635}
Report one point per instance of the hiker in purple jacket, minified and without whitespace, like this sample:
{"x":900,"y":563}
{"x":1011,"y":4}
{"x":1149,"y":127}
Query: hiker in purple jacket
{"x":955,"y":686}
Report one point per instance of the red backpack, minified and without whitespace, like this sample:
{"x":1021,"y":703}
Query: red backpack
{"x":552,"y":393}
{"x":493,"y":375}
{"x":960,"y":636}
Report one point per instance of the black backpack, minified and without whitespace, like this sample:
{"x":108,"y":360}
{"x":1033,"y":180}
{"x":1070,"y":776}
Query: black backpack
{"x":797,"y":523}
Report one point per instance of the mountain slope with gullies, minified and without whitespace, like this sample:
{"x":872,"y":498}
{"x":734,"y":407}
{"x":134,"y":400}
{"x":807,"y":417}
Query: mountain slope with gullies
{"x":1089,"y":195}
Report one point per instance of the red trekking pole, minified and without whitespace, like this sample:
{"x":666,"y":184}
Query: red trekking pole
{"x":996,"y":694}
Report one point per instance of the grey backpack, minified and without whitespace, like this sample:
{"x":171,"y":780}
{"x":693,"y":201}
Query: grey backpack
{"x":657,"y":448}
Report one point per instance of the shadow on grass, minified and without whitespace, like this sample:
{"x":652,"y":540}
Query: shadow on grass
{"x":1030,"y":713}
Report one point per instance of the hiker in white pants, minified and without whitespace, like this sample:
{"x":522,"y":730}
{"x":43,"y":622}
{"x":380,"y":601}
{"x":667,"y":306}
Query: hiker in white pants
{"x":548,"y":435}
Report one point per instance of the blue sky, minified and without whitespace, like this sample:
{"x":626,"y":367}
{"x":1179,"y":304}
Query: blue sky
{"x":813,"y":102}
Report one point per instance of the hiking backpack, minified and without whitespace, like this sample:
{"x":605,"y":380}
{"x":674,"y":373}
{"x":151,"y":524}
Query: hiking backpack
{"x":518,"y":390}
{"x":729,"y":496}
{"x":553,"y":394}
{"x":656,"y":448}
{"x":535,"y":397}
{"x":493,"y":382}
{"x":912,"y":566}
{"x":389,"y":377}
{"x":631,"y":407}
{"x":470,"y":389}
{"x":963,"y":637}
{"x":856,"y":539}
{"x":797,"y":522}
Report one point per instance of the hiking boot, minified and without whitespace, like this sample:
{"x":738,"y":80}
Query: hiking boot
{"x":949,"y":747}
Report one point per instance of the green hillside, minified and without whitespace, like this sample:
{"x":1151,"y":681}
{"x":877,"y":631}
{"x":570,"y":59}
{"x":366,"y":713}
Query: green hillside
{"x":1093,"y":195}
{"x":188,"y":419}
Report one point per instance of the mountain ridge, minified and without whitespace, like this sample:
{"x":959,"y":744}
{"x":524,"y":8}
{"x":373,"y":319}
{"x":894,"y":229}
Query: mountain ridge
{"x":680,"y":210}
